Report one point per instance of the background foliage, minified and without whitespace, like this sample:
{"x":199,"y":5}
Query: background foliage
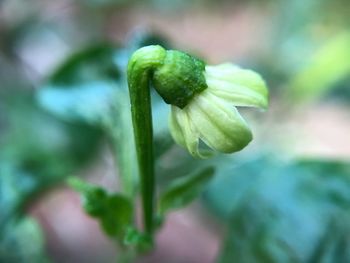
{"x":64,"y":105}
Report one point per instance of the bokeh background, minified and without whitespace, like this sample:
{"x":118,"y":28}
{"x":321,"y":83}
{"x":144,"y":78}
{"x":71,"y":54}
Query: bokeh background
{"x":64,"y":111}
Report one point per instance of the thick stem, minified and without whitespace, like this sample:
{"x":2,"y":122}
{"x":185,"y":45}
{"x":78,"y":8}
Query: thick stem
{"x":140,"y":70}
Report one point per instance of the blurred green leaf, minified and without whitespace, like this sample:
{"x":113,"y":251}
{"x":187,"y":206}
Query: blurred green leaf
{"x":140,"y":240}
{"x":184,"y":190}
{"x":90,"y":64}
{"x":114,"y":211}
{"x":334,"y":244}
{"x":37,"y":150}
{"x":281,"y":211}
{"x":83,"y":88}
{"x":22,"y":242}
{"x":91,"y":87}
{"x":90,"y":102}
{"x":15,"y":187}
{"x":104,"y":3}
{"x":329,"y":65}
{"x":42,"y":143}
{"x":341,"y":93}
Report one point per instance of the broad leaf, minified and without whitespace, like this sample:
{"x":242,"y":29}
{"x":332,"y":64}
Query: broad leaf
{"x":83,"y":88}
{"x":22,"y":242}
{"x":141,"y":241}
{"x":114,"y":211}
{"x":90,"y":102}
{"x":184,"y":190}
{"x":91,"y":87}
{"x":283,"y":212}
{"x":329,"y":65}
{"x":37,"y":151}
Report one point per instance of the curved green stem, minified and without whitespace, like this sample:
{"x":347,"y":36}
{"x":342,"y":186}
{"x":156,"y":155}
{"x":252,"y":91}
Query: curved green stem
{"x":140,"y":70}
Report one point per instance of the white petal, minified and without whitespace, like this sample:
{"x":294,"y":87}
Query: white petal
{"x":220,"y":125}
{"x":185,"y":134}
{"x":239,"y":86}
{"x":175,"y":128}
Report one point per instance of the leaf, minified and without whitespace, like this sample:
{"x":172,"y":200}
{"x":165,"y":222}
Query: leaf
{"x":329,"y":65}
{"x":89,"y":102}
{"x":15,"y":187}
{"x":22,"y":241}
{"x":90,"y":64}
{"x":37,"y":151}
{"x":280,"y":211}
{"x":91,"y":88}
{"x":141,"y":241}
{"x":83,"y":88}
{"x":48,"y":143}
{"x":183,"y":191}
{"x":114,"y":211}
{"x":334,"y":243}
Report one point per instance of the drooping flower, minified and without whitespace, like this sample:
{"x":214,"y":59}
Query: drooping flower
{"x":212,"y":116}
{"x":203,"y":98}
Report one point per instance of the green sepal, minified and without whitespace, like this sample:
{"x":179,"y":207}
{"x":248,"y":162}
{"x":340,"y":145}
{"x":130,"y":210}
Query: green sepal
{"x":175,"y":75}
{"x":179,"y":78}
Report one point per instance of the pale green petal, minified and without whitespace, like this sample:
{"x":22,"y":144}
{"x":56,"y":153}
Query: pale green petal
{"x":190,"y":135}
{"x":211,"y":115}
{"x":175,"y":128}
{"x":239,"y":86}
{"x":185,"y":134}
{"x":219,"y":124}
